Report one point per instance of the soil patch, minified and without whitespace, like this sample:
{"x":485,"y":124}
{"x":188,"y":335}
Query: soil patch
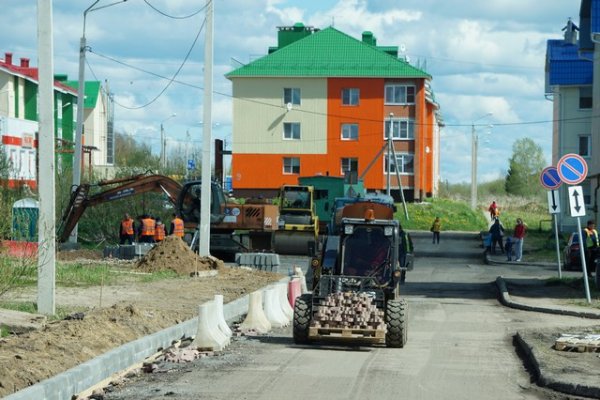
{"x":114,"y":315}
{"x":173,"y":254}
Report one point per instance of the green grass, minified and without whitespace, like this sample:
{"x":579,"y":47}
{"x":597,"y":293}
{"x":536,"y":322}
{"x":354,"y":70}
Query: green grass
{"x":31,"y":307}
{"x":578,"y":284}
{"x":455,"y":215}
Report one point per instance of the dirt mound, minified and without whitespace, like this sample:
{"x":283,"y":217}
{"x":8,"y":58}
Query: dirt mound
{"x":86,"y":254}
{"x":174,"y":254}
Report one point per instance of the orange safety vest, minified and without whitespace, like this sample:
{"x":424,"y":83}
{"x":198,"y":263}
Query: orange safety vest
{"x":159,"y":235}
{"x":127,"y":227}
{"x":148,"y":227}
{"x":178,"y":227}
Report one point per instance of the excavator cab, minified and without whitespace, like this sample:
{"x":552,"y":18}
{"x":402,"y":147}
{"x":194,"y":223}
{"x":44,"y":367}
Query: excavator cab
{"x":188,"y":202}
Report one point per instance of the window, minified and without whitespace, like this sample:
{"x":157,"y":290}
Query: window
{"x":401,"y":128}
{"x":291,"y":95}
{"x":291,"y":131}
{"x":585,"y":97}
{"x":349,"y":131}
{"x":350,"y":97}
{"x":405,"y":163}
{"x":291,"y":165}
{"x":399,"y":94}
{"x":349,"y":165}
{"x":585,"y":145}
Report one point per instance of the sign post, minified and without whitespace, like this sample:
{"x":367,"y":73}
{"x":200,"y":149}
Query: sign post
{"x":550,"y":180}
{"x":573,"y":169}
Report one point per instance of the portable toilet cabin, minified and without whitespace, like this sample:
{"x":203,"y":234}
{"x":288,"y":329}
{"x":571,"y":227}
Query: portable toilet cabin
{"x":25,"y":214}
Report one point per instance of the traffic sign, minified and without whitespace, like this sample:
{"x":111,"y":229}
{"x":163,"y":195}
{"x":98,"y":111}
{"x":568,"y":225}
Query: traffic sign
{"x":576,"y":203}
{"x":553,"y":202}
{"x":191,"y":164}
{"x":550,"y":179}
{"x":572,"y":169}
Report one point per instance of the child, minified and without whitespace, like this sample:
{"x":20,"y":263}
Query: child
{"x":508,"y":248}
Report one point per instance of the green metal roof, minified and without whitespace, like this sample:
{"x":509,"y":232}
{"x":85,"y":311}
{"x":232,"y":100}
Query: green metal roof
{"x":92,"y":88}
{"x":329,"y":53}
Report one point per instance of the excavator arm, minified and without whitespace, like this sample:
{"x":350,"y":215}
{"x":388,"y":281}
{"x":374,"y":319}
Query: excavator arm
{"x":81,"y":199}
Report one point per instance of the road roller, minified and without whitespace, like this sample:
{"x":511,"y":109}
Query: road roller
{"x":298,"y":231}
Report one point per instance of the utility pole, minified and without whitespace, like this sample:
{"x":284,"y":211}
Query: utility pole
{"x":46,"y":182}
{"x":474,"y":145}
{"x":206,"y":196}
{"x":389,"y":156}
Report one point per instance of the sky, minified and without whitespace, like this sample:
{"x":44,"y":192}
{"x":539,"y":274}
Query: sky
{"x":485,"y":57}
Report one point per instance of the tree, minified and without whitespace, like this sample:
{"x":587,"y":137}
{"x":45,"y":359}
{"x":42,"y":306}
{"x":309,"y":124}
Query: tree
{"x":525,"y":166}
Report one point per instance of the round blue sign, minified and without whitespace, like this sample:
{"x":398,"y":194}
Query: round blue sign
{"x":572,"y":169}
{"x":550,"y":179}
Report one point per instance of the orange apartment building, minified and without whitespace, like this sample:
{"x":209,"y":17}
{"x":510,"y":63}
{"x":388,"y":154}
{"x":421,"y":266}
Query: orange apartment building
{"x":323,"y":103}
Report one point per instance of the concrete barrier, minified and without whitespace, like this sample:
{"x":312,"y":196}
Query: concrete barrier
{"x":208,"y":335}
{"x":256,"y":319}
{"x":221,"y":323}
{"x":294,"y":291}
{"x":282,"y":291}
{"x":300,"y":275}
{"x":273,"y":310}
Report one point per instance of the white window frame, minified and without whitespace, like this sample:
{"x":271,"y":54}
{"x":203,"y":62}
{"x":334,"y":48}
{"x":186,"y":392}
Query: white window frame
{"x":402,"y":128}
{"x":291,"y":165}
{"x":399,"y":161}
{"x":350,"y":96}
{"x":400,"y":94}
{"x":589,"y":145}
{"x":289,"y":131}
{"x":349,"y":132}
{"x":292,"y":95}
{"x":346,"y":165}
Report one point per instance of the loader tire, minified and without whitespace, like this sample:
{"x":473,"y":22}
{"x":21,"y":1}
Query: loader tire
{"x":302,"y":317}
{"x":396,"y":320}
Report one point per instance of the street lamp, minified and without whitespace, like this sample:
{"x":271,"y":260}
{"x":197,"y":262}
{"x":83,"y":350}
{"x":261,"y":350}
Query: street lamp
{"x":474,"y":144}
{"x":80,"y":97}
{"x":163,"y":142}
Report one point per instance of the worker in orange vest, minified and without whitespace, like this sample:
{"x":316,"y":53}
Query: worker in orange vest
{"x":147,"y":229}
{"x":159,"y":232}
{"x":177,"y":227}
{"x":126,"y":230}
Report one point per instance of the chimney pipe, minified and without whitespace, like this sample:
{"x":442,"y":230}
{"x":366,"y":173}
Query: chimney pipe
{"x":24,"y":62}
{"x":8,"y":58}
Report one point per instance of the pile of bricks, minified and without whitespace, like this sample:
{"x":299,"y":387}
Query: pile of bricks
{"x":348,"y":310}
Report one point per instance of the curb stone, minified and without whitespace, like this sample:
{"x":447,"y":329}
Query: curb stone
{"x":545,"y":379}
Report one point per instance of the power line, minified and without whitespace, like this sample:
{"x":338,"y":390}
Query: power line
{"x":174,"y":16}
{"x":171,"y":80}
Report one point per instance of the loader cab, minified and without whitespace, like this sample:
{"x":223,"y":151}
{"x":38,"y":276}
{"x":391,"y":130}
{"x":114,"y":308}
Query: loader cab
{"x":369,"y":249}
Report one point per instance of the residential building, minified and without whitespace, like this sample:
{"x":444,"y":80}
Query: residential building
{"x":98,"y":133}
{"x":573,"y":86}
{"x":19,"y":112}
{"x":324,"y":103}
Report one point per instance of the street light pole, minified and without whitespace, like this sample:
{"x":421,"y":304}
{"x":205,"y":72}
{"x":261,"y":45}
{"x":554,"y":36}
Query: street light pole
{"x":474,"y":145}
{"x":80,"y":101}
{"x":163,"y":156}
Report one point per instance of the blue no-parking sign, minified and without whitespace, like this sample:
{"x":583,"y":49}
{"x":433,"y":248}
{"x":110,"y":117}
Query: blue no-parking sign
{"x":550,"y":179}
{"x":572,"y":169}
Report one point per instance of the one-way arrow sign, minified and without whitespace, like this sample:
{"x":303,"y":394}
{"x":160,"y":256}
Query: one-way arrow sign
{"x":553,"y":202}
{"x":576,"y":203}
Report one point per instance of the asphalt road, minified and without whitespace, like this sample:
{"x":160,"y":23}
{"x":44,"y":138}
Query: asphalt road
{"x":459,"y":347}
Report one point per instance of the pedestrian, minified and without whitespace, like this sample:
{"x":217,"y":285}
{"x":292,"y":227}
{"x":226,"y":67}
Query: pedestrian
{"x":147,"y":229}
{"x":177,"y":227}
{"x":494,"y":211}
{"x":592,"y":251}
{"x":497,"y":233}
{"x":159,"y":232}
{"x":436,"y":228}
{"x":508,"y":247}
{"x":518,"y":238}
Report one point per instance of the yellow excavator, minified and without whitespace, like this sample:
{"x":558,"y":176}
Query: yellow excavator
{"x":298,"y":228}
